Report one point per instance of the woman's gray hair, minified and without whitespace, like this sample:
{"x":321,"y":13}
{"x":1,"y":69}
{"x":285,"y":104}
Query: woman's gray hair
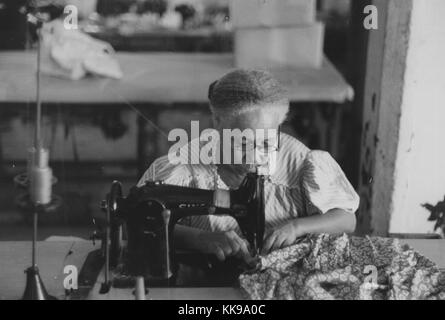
{"x":243,"y":90}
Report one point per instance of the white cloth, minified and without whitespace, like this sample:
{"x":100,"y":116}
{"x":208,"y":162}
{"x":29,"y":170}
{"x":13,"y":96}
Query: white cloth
{"x":72,"y":54}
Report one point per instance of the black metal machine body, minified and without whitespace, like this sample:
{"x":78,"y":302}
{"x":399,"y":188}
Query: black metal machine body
{"x":148,"y":215}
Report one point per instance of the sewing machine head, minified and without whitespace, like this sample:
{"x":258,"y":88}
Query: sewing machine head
{"x":149,"y":214}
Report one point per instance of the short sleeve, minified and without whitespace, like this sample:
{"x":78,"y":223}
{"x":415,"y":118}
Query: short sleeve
{"x":325,"y":186}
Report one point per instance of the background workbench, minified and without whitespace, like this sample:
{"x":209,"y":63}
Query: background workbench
{"x":155,"y":83}
{"x":159,"y":78}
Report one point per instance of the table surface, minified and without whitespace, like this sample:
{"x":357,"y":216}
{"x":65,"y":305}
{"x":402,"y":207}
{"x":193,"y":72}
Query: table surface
{"x":158,"y":78}
{"x":54,"y":256}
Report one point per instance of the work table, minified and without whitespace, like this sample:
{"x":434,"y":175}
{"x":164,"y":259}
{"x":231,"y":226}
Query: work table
{"x":156,"y":83}
{"x":54,"y":256}
{"x":158,"y":78}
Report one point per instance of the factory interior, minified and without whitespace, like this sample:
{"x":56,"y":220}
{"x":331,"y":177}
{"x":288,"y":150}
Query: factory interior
{"x":365,"y":86}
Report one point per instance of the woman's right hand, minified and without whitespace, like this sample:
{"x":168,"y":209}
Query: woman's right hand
{"x":224,"y":245}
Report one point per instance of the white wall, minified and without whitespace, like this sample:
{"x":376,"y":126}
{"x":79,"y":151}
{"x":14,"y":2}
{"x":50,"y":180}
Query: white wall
{"x":420,"y":162}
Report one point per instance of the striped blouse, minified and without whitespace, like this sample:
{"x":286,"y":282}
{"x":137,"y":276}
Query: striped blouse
{"x":305,"y":183}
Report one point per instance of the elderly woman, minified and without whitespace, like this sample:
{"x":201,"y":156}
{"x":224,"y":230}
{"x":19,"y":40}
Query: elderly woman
{"x":306,"y":194}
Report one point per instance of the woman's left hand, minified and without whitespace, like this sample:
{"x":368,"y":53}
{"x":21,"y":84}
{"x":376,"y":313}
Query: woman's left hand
{"x":282,"y":236}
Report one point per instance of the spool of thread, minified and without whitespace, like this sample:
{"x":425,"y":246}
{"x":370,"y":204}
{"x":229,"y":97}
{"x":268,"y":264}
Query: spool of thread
{"x":221,"y":198}
{"x":40,"y":175}
{"x":139,"y":290}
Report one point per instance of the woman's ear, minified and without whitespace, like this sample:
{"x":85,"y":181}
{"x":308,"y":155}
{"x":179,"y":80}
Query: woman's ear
{"x":283,"y":113}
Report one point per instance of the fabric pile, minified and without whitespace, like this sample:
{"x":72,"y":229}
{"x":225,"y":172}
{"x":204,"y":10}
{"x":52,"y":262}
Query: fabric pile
{"x":326,"y":267}
{"x":72,"y":54}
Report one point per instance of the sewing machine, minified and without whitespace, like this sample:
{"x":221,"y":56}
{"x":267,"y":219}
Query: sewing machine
{"x":148,"y":215}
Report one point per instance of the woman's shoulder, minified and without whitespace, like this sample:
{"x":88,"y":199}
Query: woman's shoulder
{"x":290,"y":158}
{"x":292,"y":145}
{"x":296,"y":152}
{"x":292,"y":152}
{"x":296,"y":159}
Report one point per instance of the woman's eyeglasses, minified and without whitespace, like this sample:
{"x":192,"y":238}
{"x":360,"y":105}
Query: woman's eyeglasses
{"x":266,"y":147}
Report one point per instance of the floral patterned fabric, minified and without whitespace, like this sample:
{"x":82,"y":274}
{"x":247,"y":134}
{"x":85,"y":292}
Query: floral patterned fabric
{"x":344,"y":267}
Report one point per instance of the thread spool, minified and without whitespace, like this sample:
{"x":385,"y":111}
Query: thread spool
{"x":221,"y":198}
{"x":40,"y":175}
{"x":139,"y":290}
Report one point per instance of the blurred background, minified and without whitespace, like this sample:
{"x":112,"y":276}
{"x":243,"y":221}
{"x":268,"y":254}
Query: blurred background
{"x":353,"y":92}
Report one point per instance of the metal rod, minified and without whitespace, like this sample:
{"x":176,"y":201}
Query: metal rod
{"x":38,"y":133}
{"x":107,"y":244}
{"x":34,"y":238}
{"x":166,"y":214}
{"x":37,"y":138}
{"x":105,"y":287}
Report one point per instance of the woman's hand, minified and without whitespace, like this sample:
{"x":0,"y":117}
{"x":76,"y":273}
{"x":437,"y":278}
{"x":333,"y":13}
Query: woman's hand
{"x":223,"y":245}
{"x":282,"y":236}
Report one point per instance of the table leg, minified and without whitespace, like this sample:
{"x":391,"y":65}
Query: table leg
{"x":1,"y":155}
{"x":335,"y":130}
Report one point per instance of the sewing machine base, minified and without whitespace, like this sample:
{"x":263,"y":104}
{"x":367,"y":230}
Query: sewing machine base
{"x":192,"y":270}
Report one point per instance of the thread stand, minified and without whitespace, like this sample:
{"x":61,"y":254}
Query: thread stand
{"x":35,"y":289}
{"x":40,"y":180}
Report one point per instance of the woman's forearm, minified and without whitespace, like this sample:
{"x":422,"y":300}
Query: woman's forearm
{"x":335,"y":221}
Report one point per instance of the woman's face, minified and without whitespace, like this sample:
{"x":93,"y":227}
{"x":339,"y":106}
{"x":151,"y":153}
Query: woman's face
{"x":254,"y":137}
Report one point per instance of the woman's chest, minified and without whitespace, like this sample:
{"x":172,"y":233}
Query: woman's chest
{"x":282,"y":202}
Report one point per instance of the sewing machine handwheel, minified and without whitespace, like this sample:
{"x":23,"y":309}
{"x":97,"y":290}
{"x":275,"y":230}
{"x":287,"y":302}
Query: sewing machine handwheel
{"x":113,"y":197}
